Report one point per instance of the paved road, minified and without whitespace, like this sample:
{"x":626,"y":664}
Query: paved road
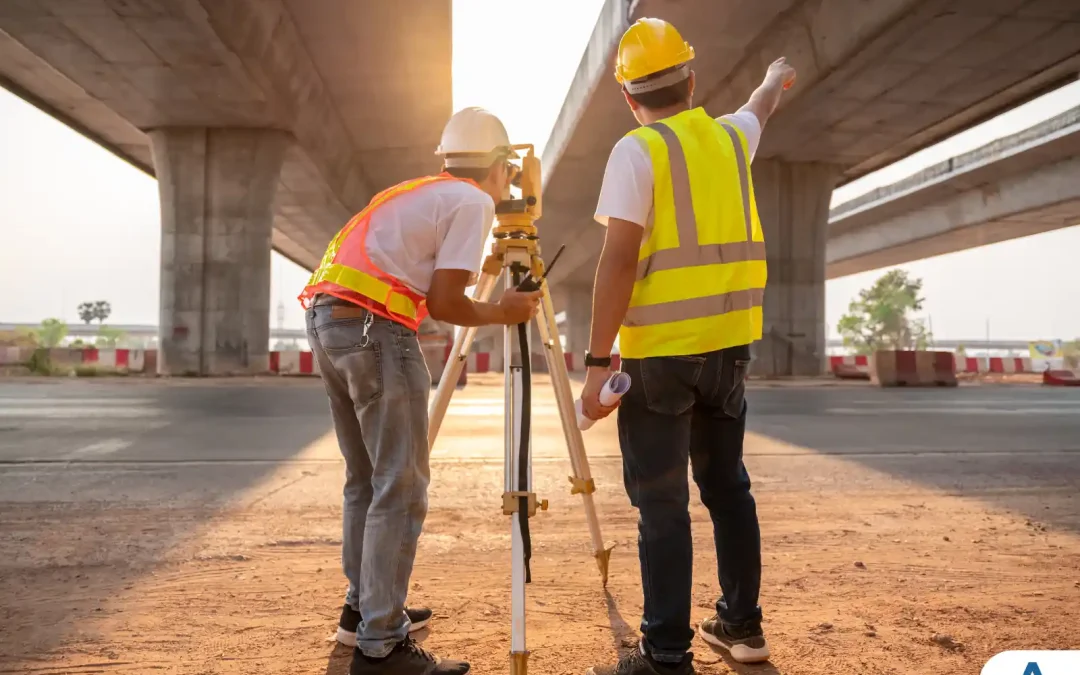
{"x":192,"y":440}
{"x":271,"y":421}
{"x":868,"y":420}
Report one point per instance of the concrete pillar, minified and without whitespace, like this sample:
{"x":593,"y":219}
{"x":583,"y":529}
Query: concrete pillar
{"x":496,"y":363}
{"x":793,"y":204}
{"x":217,"y":194}
{"x":578,"y":321}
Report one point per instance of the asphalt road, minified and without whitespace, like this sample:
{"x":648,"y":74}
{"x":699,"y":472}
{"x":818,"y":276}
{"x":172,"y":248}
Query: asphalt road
{"x":270,"y":421}
{"x":191,"y":440}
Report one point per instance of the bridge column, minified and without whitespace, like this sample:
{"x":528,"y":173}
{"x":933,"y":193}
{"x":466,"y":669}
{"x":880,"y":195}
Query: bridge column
{"x":217,"y":193}
{"x":576,"y":302}
{"x":793,"y":204}
{"x":578,"y":322}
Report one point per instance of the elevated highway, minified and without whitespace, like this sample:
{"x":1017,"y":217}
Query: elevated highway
{"x":877,"y":81}
{"x":267,"y":123}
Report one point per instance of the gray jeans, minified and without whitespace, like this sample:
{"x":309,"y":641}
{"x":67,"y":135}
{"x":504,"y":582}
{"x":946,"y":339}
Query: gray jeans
{"x":378,"y":384}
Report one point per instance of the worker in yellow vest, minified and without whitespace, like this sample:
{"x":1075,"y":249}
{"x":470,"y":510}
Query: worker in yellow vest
{"x":680,"y":281}
{"x":412,"y":251}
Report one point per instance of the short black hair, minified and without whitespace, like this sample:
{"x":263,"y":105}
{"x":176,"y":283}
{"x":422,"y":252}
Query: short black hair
{"x":473,"y":173}
{"x":669,"y":96}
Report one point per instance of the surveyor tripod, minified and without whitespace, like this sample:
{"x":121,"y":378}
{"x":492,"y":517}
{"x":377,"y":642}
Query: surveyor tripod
{"x":515,"y":256}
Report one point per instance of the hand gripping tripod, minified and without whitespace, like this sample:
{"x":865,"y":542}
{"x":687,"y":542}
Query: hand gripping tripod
{"x":515,"y":255}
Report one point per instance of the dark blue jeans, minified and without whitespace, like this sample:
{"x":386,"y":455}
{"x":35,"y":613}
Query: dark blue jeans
{"x":680,"y":410}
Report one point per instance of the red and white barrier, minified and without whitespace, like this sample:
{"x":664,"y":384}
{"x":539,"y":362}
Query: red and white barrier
{"x":478,"y":362}
{"x":293,"y":363}
{"x":850,"y":367}
{"x":994,"y":364}
{"x":131,"y":360}
{"x":913,"y":369}
{"x":481,"y":362}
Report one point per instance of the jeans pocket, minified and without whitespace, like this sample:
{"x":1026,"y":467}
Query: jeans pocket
{"x":343,"y":336}
{"x":735,"y":400}
{"x":668,"y":383}
{"x":363,"y":371}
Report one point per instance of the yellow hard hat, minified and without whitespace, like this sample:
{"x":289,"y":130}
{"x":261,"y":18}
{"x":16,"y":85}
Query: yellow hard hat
{"x":649,"y":46}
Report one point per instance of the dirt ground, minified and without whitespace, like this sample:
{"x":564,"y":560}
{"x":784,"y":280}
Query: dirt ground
{"x":862,"y":568}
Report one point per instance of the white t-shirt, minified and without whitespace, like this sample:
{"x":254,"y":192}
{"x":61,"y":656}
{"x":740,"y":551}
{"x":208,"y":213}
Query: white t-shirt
{"x":439,"y":226}
{"x":627,"y":192}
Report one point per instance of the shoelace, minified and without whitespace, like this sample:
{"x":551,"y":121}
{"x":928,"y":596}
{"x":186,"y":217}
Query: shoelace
{"x":627,"y":663}
{"x":410,"y":645}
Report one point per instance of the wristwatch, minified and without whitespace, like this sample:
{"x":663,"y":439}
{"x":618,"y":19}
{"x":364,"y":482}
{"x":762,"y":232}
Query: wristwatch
{"x":597,"y":362}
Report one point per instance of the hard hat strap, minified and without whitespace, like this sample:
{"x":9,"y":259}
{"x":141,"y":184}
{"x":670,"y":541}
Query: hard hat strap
{"x":665,"y":80}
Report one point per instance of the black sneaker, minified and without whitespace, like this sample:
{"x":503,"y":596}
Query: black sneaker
{"x":350,"y":619}
{"x":407,"y":658}
{"x":745,"y":646}
{"x":636,"y":663}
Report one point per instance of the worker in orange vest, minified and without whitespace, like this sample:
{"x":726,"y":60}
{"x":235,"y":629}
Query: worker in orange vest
{"x":410,"y":253}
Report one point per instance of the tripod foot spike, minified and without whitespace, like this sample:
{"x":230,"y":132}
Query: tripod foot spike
{"x":519,"y":663}
{"x":602,"y":560}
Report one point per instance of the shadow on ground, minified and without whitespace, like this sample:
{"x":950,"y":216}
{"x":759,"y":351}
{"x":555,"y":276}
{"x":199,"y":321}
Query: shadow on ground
{"x":146,"y":450}
{"x":1004,"y":445}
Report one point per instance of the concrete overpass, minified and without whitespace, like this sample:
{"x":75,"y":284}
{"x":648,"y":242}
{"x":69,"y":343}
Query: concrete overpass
{"x":1017,"y":186}
{"x":877,"y":81}
{"x":266,"y":122}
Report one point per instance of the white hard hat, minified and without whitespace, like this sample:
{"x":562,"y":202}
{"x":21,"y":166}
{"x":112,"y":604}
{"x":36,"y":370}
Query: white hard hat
{"x":474,"y":138}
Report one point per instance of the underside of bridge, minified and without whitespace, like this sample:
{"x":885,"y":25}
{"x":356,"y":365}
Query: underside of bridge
{"x":267,"y":122}
{"x":876,"y":82}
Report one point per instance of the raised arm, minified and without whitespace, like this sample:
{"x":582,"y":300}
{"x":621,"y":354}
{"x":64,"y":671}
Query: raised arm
{"x":766,"y":97}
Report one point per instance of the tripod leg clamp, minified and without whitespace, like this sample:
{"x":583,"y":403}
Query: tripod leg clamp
{"x":511,"y":502}
{"x":579,"y":486}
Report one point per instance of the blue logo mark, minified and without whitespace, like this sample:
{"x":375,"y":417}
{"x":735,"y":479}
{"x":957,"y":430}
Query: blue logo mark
{"x":1034,"y":662}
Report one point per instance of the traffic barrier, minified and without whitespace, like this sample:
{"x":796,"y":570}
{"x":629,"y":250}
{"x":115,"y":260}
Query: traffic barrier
{"x":481,"y":362}
{"x":15,"y":356}
{"x":913,"y":369}
{"x":128,"y":360}
{"x":995,"y":364}
{"x":293,"y":363}
{"x":1061,"y":378}
{"x":850,"y":367}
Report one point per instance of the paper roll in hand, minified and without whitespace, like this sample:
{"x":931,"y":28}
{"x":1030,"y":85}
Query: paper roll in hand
{"x":613,"y":390}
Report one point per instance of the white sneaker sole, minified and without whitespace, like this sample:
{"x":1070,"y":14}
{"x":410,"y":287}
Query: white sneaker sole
{"x":348,"y":638}
{"x":741,"y":653}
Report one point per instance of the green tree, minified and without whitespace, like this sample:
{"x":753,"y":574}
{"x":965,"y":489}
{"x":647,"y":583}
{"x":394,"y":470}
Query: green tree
{"x":98,"y":310}
{"x":880,"y":318}
{"x":109,"y":338}
{"x":86,"y":312}
{"x":52,"y":332}
{"x":102,"y":310}
{"x":961,"y":352}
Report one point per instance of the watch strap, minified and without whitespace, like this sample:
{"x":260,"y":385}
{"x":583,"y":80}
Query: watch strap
{"x":597,"y":362}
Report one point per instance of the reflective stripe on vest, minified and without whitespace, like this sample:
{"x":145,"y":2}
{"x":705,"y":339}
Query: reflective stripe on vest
{"x":701,"y":271}
{"x":392,"y":298}
{"x":366,"y":285}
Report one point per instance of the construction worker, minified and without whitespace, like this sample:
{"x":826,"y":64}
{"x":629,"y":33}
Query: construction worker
{"x":411,"y":252}
{"x":680,"y":281}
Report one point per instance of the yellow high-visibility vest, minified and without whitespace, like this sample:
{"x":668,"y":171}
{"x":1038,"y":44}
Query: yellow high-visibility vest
{"x":701,"y":270}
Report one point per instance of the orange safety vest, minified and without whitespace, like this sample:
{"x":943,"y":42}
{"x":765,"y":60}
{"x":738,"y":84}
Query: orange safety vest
{"x":346,"y":271}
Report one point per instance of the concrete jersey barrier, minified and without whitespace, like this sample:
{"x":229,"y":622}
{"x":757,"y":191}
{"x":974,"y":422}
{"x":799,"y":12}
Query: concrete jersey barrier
{"x":913,"y":369}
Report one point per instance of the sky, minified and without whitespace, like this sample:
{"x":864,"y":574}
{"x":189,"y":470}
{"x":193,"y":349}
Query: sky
{"x":77,"y":223}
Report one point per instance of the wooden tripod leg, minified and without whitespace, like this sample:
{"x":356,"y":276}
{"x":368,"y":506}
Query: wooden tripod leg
{"x":463,"y":340}
{"x":581,"y":482}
